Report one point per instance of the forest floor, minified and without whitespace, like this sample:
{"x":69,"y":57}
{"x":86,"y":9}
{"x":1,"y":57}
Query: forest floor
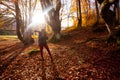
{"x":80,"y":55}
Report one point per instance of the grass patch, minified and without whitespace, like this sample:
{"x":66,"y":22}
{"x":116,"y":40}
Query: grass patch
{"x":7,"y":37}
{"x":118,"y":41}
{"x":34,"y":51}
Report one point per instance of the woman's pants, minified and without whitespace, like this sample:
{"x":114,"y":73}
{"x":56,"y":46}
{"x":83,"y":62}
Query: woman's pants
{"x":47,"y":48}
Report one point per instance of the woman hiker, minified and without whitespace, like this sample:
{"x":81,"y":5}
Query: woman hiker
{"x":42,"y":41}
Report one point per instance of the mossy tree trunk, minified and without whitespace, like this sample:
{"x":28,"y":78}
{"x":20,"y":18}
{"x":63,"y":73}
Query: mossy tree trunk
{"x":52,"y":17}
{"x":109,"y":17}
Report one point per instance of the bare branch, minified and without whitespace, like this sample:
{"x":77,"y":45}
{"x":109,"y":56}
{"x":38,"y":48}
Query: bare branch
{"x":7,"y":6}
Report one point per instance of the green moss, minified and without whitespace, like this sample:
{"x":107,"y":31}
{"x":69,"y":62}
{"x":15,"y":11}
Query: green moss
{"x":118,"y":41}
{"x":34,"y":51}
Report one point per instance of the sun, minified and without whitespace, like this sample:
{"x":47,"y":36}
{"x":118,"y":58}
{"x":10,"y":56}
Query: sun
{"x":38,"y":18}
{"x":38,"y":21}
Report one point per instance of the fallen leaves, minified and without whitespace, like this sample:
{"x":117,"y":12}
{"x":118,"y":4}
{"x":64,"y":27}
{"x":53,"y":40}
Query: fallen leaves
{"x":92,"y":60}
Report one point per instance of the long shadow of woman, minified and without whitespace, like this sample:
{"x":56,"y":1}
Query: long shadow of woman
{"x":43,"y":71}
{"x":55,"y":73}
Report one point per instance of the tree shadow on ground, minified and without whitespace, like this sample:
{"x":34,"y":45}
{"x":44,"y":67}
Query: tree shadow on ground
{"x":6,"y":49}
{"x":13,"y":51}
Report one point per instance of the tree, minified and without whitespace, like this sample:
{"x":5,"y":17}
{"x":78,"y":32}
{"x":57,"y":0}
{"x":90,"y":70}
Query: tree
{"x":24,"y":35}
{"x":18,"y":21}
{"x":52,"y":16}
{"x":5,"y":12}
{"x":28,"y":7}
{"x":116,"y":9}
{"x":22,"y":11}
{"x":97,"y":13}
{"x":79,"y":14}
{"x":106,"y":14}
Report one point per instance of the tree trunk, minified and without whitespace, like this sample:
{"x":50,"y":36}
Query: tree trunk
{"x":28,"y":37}
{"x":117,"y":12}
{"x":52,"y":17}
{"x":18,"y":22}
{"x":118,"y":6}
{"x":28,"y":32}
{"x":109,"y":17}
{"x":79,"y":13}
{"x":22,"y":37}
{"x":55,"y":23}
{"x":97,"y":13}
